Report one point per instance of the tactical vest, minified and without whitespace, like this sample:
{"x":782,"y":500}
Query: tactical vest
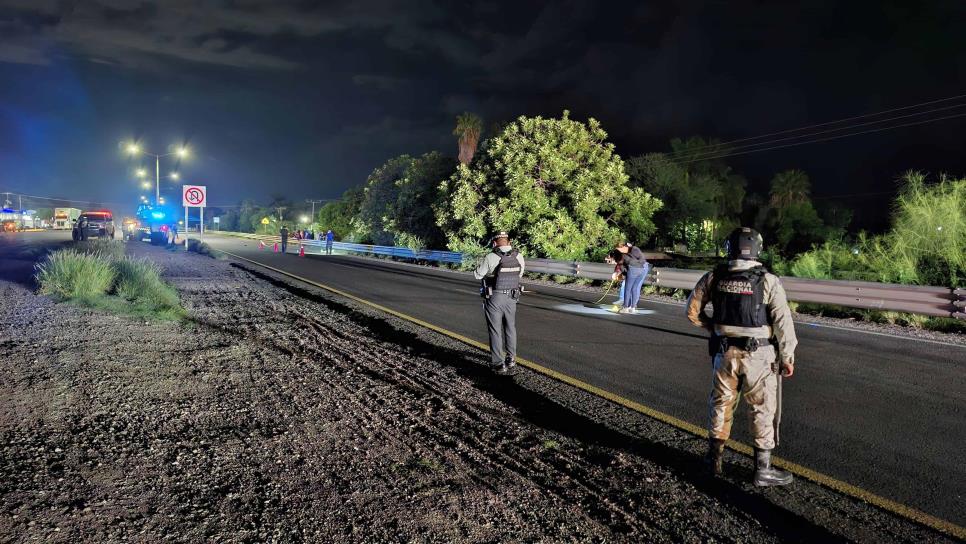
{"x":739,"y":297}
{"x":506,"y":276}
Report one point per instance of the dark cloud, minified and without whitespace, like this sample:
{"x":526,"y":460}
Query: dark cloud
{"x":309,"y":97}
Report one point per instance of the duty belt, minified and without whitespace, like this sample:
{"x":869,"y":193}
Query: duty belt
{"x":744,"y":343}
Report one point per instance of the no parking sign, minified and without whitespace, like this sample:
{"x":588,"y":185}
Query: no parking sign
{"x":194,"y":196}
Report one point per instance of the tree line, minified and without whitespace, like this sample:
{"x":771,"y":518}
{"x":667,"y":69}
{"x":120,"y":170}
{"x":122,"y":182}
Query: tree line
{"x":563,"y":192}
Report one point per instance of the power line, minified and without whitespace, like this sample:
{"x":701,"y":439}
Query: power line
{"x":74,"y":200}
{"x":827,"y":139}
{"x":699,"y":154}
{"x":913,"y":106}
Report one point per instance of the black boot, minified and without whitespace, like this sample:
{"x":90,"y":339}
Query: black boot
{"x":510,"y":364}
{"x":767,"y":475}
{"x":714,"y":461}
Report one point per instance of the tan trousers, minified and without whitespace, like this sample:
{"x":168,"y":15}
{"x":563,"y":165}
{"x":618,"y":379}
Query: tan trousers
{"x":753,"y":375}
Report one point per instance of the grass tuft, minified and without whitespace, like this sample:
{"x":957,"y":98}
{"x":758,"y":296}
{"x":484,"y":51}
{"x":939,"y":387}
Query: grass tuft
{"x":90,"y":272}
{"x":72,"y":275}
{"x":139,"y":281}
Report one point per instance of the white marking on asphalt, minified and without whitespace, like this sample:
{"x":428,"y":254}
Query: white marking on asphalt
{"x":585,"y":310}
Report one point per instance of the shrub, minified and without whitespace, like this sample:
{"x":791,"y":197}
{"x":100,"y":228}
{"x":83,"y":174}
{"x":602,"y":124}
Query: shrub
{"x":139,"y":281}
{"x":69,"y":274}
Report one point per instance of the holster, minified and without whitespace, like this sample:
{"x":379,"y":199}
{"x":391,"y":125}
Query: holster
{"x":720,"y":344}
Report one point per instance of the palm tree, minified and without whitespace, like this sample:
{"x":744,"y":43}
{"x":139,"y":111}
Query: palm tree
{"x":468,"y":129}
{"x":787,"y":188}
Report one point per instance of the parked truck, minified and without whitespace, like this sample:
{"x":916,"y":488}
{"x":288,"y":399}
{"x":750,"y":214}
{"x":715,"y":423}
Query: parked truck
{"x":64,"y":218}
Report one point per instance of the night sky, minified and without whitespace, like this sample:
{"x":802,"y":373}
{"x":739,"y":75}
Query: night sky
{"x":289,"y":97}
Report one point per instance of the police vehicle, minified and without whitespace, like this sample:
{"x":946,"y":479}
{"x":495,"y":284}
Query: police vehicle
{"x":156,"y":224}
{"x":100,"y":224}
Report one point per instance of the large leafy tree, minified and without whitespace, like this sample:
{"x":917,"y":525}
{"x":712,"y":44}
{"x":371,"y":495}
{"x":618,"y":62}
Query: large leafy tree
{"x":468,"y":129}
{"x":410,"y":218}
{"x":702,"y":197}
{"x":555,"y":184}
{"x":373,"y":223}
{"x":339,"y":216}
{"x":788,"y":188}
{"x":398,"y":200}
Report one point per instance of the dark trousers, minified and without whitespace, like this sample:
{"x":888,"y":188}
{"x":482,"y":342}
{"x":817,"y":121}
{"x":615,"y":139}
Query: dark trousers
{"x":328,"y":247}
{"x":284,"y":245}
{"x":501,"y":322}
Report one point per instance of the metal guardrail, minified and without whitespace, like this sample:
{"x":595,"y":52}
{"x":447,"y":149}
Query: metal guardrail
{"x":915,"y":299}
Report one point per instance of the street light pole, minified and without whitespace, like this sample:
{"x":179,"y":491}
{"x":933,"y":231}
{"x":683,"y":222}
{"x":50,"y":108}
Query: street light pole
{"x":157,"y":180}
{"x":135,"y":149}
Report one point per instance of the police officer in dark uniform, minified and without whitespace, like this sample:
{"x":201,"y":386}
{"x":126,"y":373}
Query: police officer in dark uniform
{"x":283,"y":233}
{"x":752,"y":346}
{"x":500,"y":273}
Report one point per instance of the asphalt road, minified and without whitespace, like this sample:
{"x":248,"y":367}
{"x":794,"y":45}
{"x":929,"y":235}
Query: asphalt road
{"x":884,"y":413}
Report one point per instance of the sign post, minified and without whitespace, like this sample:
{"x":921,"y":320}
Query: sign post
{"x":194,"y":196}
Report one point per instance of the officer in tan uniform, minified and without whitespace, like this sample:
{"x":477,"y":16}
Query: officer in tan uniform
{"x":752,"y":341}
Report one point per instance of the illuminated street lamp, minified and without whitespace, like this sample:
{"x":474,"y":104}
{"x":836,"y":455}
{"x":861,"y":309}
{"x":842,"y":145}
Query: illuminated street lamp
{"x":134,"y":149}
{"x":303,"y":219}
{"x":146,"y":185}
{"x":175,"y":176}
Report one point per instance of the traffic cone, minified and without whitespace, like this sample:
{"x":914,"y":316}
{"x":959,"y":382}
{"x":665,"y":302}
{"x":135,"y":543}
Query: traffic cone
{"x":301,"y":250}
{"x":276,"y":247}
{"x":261,"y":244}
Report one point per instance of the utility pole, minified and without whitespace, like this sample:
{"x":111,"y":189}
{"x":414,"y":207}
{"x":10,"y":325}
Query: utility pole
{"x":280,"y":209}
{"x":313,"y":202}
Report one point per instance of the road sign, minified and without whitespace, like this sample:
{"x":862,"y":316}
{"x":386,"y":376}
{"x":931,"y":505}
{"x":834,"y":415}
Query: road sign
{"x":216,"y":220}
{"x":194,"y":196}
{"x":265,"y":221}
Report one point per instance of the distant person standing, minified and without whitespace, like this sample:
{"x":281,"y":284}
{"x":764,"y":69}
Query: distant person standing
{"x":284,"y":234}
{"x":329,"y":238}
{"x":82,"y":228}
{"x":634,"y":267}
{"x":500,"y":273}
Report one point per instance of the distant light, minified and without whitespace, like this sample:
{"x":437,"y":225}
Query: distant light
{"x":183,"y":152}
{"x":180,"y":222}
{"x":146,"y":185}
{"x":157,"y":215}
{"x":142,"y":172}
{"x":161,"y":200}
{"x":175,"y":176}
{"x":133,"y":149}
{"x":940,"y":227}
{"x":304,"y":219}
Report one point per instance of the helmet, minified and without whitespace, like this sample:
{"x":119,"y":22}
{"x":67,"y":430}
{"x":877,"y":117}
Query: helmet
{"x":502,"y":234}
{"x":743,"y":243}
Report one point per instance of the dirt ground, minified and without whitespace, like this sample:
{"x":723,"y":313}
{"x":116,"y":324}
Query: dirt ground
{"x":285,"y":415}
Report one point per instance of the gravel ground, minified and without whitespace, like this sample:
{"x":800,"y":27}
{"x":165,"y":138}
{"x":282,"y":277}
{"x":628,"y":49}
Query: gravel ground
{"x":281,"y":414}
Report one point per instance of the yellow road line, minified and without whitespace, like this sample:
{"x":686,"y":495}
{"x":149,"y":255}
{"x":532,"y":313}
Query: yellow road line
{"x":856,"y":492}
